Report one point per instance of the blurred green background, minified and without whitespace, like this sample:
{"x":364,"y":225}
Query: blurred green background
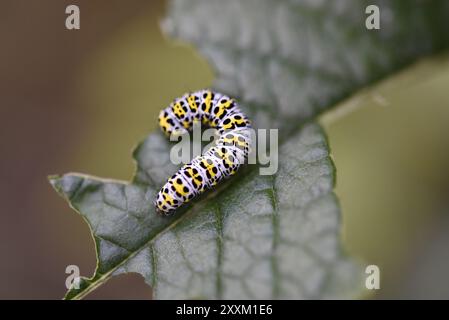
{"x":80,"y":100}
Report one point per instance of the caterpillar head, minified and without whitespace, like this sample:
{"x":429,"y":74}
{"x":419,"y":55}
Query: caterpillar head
{"x":165,"y":203}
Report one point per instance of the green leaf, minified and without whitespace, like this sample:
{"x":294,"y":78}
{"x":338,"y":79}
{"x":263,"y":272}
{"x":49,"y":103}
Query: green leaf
{"x":266,"y":237}
{"x":288,"y":60}
{"x":256,"y":236}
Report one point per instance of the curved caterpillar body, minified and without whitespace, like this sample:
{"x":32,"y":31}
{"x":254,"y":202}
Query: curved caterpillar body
{"x":217,"y":111}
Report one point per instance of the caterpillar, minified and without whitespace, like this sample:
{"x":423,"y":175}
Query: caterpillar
{"x":217,"y":111}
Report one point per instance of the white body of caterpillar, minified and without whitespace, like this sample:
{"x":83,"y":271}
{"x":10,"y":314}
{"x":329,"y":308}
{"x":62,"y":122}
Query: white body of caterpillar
{"x":217,"y":111}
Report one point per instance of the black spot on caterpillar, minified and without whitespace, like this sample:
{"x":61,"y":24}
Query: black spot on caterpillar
{"x":217,"y":111}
